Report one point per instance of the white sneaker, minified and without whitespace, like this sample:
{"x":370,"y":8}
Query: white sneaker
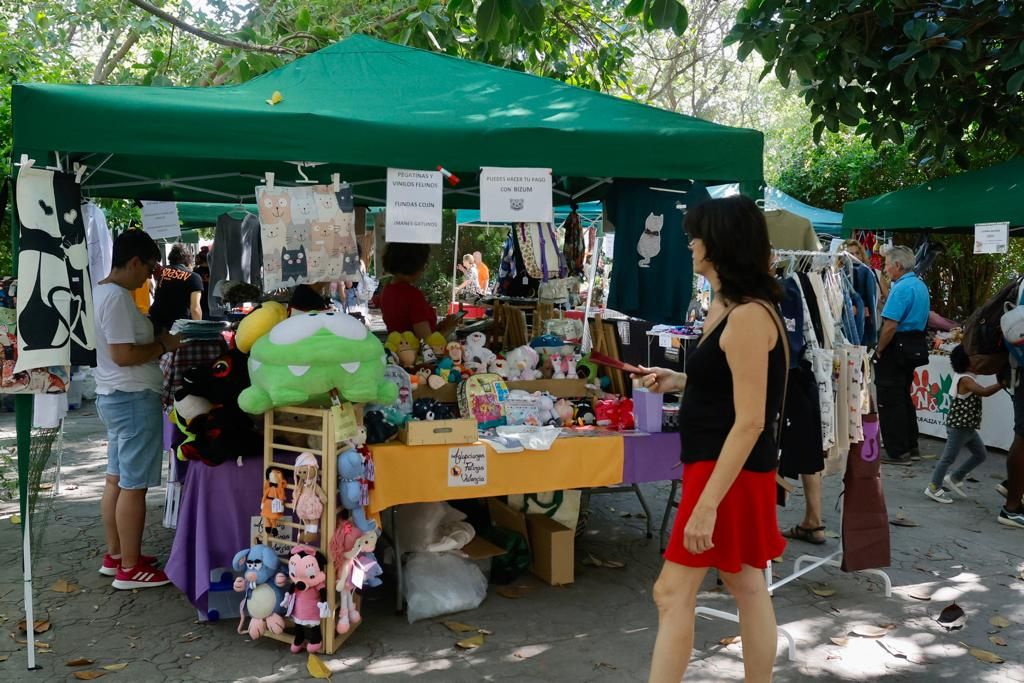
{"x":1001,"y":489}
{"x":955,"y":486}
{"x":938,"y":495}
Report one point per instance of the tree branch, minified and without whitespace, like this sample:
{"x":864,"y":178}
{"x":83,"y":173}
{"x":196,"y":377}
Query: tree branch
{"x":211,"y":37}
{"x":101,"y":63}
{"x":129,"y":43}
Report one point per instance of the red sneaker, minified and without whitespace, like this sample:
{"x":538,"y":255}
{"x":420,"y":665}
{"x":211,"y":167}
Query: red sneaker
{"x":140,"y":576}
{"x":110,"y":565}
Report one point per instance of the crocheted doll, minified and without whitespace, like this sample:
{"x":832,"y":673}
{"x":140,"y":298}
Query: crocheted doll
{"x":347,"y":546}
{"x":308,"y":497}
{"x":274,"y":492}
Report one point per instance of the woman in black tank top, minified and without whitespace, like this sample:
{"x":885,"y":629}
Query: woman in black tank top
{"x":732,"y":397}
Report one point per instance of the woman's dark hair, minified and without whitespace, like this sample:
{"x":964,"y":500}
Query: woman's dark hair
{"x":179,"y":256}
{"x":202,"y":259}
{"x":132,"y":243}
{"x":959,"y":359}
{"x":735,"y":238}
{"x":403,"y":258}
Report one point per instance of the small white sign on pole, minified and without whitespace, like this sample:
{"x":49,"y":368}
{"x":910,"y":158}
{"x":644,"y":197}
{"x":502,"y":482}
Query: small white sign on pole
{"x":160,"y":220}
{"x":413,"y":206}
{"x":515,"y":195}
{"x":467,"y":466}
{"x":991,"y":238}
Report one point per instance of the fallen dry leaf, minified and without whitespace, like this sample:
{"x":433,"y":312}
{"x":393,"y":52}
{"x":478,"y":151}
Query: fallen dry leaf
{"x":316,"y":667}
{"x":922,"y":594}
{"x":190,"y":638}
{"x":71,"y":487}
{"x":276,"y":98}
{"x":903,"y":521}
{"x":606,"y":665}
{"x":729,"y":640}
{"x":472,"y":642}
{"x":831,"y":534}
{"x":40,"y":626}
{"x":510,"y":592}
{"x":15,"y":519}
{"x":998,"y":621}
{"x":458,"y":627}
{"x":841,"y":641}
{"x":952,"y":617}
{"x":998,"y":640}
{"x":869,"y":631}
{"x":116,"y":667}
{"x":4,"y":658}
{"x":89,"y":675}
{"x":823,"y":590}
{"x":485,"y":632}
{"x":63,"y":586}
{"x":597,"y":562}
{"x":983,"y":655}
{"x":81,"y":661}
{"x":45,"y":487}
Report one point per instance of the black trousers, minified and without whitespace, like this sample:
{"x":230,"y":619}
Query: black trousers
{"x":896,"y":413}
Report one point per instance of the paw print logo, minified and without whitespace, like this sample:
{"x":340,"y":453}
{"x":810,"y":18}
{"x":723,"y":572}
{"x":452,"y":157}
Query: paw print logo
{"x":924,"y":394}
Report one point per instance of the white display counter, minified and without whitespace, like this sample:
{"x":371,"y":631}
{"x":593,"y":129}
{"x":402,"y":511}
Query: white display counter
{"x":933,"y":394}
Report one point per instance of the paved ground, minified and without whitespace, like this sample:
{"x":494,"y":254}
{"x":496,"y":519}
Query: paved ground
{"x":601,"y":628}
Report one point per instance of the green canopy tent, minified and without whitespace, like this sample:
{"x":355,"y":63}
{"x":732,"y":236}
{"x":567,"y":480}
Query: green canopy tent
{"x":954,"y":204}
{"x":194,"y":215}
{"x":357,"y":108}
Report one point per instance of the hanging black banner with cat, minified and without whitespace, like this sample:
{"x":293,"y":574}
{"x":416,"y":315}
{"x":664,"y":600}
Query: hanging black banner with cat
{"x":55,"y":323}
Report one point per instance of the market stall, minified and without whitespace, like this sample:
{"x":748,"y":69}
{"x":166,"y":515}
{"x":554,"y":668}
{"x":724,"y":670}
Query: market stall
{"x":399,"y":108}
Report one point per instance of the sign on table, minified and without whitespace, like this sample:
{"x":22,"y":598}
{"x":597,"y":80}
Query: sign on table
{"x":160,"y":220}
{"x":414,"y":206}
{"x":991,"y":238}
{"x":467,"y":466}
{"x":515,"y":195}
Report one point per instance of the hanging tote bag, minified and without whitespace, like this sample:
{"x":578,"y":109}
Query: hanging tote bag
{"x":541,"y":255}
{"x":865,"y":518}
{"x":574,"y":248}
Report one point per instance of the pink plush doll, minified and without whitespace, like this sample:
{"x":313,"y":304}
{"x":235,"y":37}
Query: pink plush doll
{"x":308,"y":497}
{"x":306,"y":598}
{"x":346,"y":546}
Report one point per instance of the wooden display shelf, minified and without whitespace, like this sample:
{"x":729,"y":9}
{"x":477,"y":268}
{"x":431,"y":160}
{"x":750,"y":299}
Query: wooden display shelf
{"x":559,"y":388}
{"x":328,"y":459}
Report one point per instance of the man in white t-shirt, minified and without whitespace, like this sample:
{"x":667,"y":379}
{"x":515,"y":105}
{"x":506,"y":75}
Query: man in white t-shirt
{"x":128,"y":386}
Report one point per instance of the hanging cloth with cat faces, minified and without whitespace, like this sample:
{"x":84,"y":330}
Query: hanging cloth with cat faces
{"x":308,"y":235}
{"x":652,"y":277}
{"x":55,"y":312}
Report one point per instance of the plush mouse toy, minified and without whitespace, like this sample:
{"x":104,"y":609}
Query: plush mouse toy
{"x":306,"y":599}
{"x":263,"y":586}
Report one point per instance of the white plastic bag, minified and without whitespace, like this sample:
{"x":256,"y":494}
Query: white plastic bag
{"x":430,"y":527}
{"x":441,"y":583}
{"x":532,"y":438}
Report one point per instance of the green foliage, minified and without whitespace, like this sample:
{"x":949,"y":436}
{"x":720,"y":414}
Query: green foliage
{"x":943,"y":76}
{"x":437,"y":280}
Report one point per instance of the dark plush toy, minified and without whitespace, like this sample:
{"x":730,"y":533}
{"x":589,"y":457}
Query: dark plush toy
{"x":378,"y":430}
{"x":584,"y":414}
{"x":429,"y":409}
{"x":206,"y":411}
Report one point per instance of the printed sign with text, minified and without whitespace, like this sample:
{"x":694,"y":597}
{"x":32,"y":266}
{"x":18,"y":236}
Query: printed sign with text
{"x":160,"y":220}
{"x":991,"y":238}
{"x":467,"y":466}
{"x":414,"y":206}
{"x":515,"y":195}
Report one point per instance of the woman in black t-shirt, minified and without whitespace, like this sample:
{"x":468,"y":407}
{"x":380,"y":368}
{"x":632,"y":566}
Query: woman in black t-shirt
{"x":179,"y":292}
{"x":729,"y":415}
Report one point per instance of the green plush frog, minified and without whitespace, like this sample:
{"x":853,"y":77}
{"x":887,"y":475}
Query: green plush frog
{"x":304,"y":357}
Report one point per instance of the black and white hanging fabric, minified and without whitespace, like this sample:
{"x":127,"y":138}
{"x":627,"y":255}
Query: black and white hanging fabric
{"x":55,"y":312}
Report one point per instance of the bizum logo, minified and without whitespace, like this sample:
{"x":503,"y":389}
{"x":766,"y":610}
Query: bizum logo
{"x":932,"y":396}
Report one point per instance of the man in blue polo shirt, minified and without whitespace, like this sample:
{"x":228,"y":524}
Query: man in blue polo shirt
{"x":902,"y":347}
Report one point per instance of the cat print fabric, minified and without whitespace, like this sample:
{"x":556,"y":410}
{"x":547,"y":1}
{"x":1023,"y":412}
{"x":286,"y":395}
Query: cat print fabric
{"x":52,"y":380}
{"x":55,"y":325}
{"x":308,"y":235}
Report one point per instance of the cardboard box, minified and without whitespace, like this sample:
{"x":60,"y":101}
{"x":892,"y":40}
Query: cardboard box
{"x":559,"y":388}
{"x":447,"y":394}
{"x":552,"y":550}
{"x":480,"y":552}
{"x":438,"y":432}
{"x":552,"y":545}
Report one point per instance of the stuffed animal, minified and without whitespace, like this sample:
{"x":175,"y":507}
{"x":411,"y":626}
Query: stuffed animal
{"x":547,"y":413}
{"x":275,"y":488}
{"x":522,"y":363}
{"x":306,"y":598}
{"x":475,"y":355}
{"x":354,"y":487}
{"x":258,"y":323}
{"x":308,"y":497}
{"x":421,"y":378}
{"x":570,"y":365}
{"x":559,"y":365}
{"x":404,"y":346}
{"x":499,"y":367}
{"x":347,"y":546}
{"x":429,"y":409}
{"x":263,"y":586}
{"x":454,"y":350}
{"x":565,"y":412}
{"x":426,"y":352}
{"x":307,"y":356}
{"x":439,"y":344}
{"x":584,"y":414}
{"x":212,"y":428}
{"x":616,"y":413}
{"x":378,"y":429}
{"x":447,"y":371}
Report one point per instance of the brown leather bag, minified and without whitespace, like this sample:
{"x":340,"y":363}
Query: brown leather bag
{"x":865,"y":518}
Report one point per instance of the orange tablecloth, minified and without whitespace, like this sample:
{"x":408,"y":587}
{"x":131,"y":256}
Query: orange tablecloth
{"x":419,"y":474}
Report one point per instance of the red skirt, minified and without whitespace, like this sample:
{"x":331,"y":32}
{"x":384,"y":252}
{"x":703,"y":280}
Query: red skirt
{"x":746,"y":528}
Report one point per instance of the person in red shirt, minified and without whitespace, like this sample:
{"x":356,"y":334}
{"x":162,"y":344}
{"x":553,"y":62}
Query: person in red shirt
{"x":402,"y":305}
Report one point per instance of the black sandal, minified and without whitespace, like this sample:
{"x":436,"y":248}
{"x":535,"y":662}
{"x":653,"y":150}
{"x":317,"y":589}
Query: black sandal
{"x":799,"y":533}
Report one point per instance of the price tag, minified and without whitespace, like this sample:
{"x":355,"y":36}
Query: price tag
{"x":345,"y":426}
{"x":665,"y":341}
{"x":358,"y":575}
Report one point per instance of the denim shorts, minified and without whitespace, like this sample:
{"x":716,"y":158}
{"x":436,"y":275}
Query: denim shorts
{"x":134,"y":421}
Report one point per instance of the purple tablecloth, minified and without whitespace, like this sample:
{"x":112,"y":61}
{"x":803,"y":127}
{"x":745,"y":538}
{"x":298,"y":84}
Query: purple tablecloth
{"x":213,"y":523}
{"x":650,"y":458}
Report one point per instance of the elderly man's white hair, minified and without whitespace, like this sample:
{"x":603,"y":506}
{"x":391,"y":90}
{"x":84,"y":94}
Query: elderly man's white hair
{"x":902,"y":257}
